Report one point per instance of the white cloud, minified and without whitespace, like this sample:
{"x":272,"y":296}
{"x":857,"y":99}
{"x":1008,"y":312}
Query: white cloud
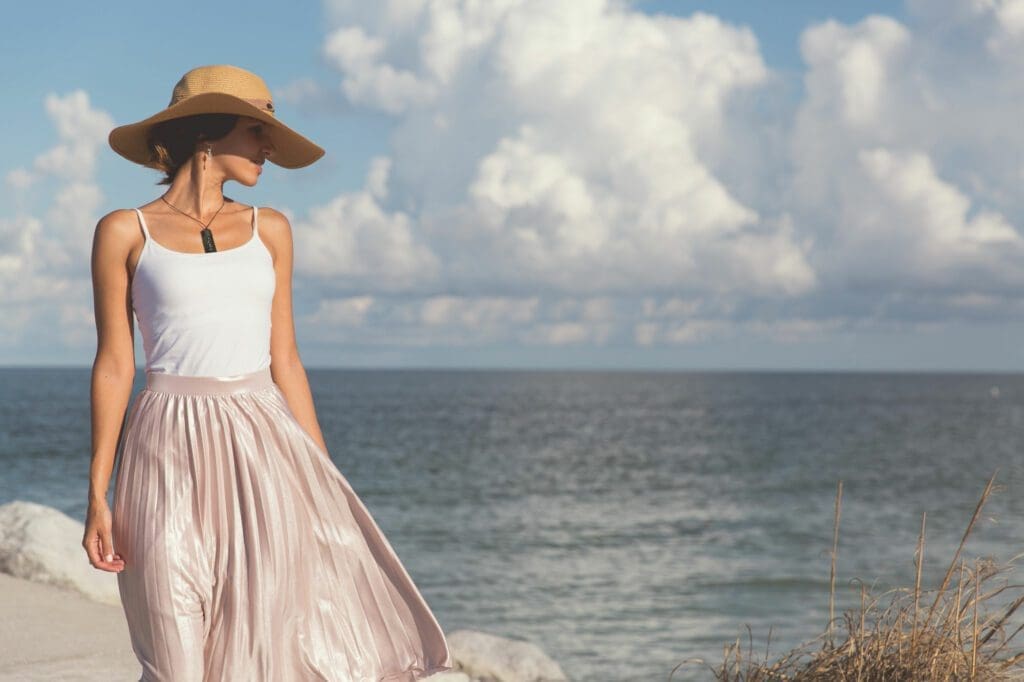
{"x":932,"y":209}
{"x":367,"y":79}
{"x":45,"y":255}
{"x":565,"y":333}
{"x":477,"y":312}
{"x":19,"y":179}
{"x":552,"y":143}
{"x":352,"y":242}
{"x":342,"y":312}
{"x":850,"y":68}
{"x":880,"y":144}
{"x":299,"y":91}
{"x":421,"y":321}
{"x":81,"y":129}
{"x":581,"y":153}
{"x":699,"y":330}
{"x":919,"y":231}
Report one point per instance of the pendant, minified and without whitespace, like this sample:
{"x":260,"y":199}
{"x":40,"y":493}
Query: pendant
{"x":208,"y":245}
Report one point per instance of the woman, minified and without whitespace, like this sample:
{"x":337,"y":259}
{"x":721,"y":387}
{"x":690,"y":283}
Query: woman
{"x":241,"y":551}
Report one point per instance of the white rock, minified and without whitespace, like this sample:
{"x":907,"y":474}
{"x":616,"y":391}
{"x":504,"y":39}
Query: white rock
{"x":489,"y":658}
{"x":43,"y":544}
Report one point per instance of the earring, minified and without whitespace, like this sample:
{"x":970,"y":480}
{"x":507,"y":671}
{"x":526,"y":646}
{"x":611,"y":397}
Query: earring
{"x":209,"y":153}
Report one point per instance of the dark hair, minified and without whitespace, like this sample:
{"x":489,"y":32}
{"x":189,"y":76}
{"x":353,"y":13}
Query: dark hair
{"x":172,"y":143}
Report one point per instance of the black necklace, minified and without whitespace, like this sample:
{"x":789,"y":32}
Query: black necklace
{"x":207,"y":236}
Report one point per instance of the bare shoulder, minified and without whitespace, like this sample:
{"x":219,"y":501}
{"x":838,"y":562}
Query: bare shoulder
{"x":276,"y":229}
{"x":274,"y":219}
{"x":117,"y":231}
{"x":118,"y":219}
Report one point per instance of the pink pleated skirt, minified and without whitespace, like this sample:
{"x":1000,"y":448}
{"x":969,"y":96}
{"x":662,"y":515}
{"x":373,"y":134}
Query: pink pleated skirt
{"x":248,"y":556}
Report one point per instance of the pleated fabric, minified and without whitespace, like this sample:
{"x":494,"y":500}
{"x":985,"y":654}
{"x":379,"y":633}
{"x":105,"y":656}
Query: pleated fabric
{"x":248,"y":556}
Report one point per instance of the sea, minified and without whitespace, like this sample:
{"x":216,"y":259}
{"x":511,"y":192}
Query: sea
{"x":632,"y":524}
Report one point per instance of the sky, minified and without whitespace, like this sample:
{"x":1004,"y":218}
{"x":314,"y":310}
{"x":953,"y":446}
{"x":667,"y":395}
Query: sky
{"x":563,"y":183}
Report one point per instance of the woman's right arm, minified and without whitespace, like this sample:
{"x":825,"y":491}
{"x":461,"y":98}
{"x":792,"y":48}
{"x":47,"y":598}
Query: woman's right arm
{"x":113,"y":372}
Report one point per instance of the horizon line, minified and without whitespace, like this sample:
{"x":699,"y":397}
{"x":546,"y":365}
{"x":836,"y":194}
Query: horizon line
{"x":621,"y":368}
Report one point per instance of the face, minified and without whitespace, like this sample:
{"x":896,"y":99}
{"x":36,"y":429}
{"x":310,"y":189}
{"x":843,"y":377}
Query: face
{"x":241,"y":153}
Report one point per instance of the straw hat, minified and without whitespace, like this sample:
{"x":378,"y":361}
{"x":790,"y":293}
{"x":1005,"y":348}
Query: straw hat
{"x":219,"y":89}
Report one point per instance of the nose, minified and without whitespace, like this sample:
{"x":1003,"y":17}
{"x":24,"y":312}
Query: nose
{"x":268,"y":147}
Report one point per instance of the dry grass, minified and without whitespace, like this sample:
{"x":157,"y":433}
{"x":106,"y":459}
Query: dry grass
{"x":947,"y":634}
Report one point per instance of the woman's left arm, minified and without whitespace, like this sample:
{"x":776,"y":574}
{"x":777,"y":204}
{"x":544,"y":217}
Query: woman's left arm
{"x":285,"y":364}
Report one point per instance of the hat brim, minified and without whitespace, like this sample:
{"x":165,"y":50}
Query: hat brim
{"x":291,"y":150}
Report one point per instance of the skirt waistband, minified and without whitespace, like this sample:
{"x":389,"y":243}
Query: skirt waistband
{"x":161,"y":382}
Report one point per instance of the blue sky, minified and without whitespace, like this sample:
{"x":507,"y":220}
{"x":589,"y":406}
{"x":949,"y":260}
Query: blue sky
{"x":664,"y":185}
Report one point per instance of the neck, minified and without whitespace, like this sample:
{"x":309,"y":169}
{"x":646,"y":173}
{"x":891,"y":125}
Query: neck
{"x":195,"y":191}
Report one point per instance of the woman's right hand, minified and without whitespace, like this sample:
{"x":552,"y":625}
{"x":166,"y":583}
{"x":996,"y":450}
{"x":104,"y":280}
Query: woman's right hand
{"x":98,"y":540}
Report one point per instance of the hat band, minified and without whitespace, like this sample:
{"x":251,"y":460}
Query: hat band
{"x":259,"y":103}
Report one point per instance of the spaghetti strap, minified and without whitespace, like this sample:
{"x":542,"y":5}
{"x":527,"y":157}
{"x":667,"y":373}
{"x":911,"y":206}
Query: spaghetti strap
{"x":142,"y":224}
{"x":255,"y":223}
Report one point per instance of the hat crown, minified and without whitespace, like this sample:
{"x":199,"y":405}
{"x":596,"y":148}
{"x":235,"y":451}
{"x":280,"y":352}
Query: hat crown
{"x":224,"y":78}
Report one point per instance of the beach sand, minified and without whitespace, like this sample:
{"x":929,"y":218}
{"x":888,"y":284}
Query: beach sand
{"x":50,"y":633}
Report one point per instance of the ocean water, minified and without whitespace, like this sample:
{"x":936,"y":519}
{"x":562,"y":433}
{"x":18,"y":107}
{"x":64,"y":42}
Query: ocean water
{"x":626,"y":521}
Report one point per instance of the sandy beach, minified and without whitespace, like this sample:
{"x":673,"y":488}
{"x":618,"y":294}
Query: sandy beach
{"x":50,"y":633}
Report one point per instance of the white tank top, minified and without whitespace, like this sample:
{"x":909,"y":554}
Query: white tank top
{"x":204,"y":314}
